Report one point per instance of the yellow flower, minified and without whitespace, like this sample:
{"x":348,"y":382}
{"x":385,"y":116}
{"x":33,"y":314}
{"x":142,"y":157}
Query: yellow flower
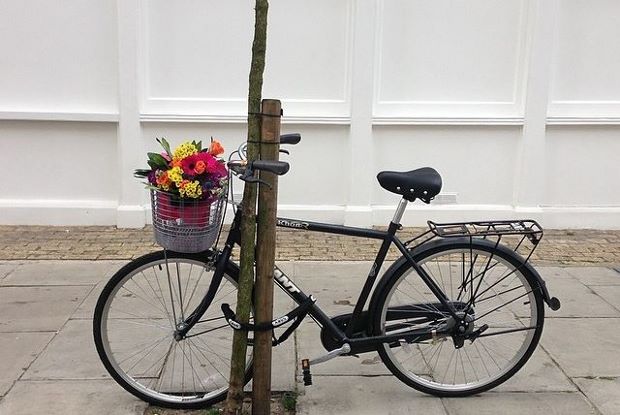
{"x":183,"y":150}
{"x":191,"y":189}
{"x":176,"y":175}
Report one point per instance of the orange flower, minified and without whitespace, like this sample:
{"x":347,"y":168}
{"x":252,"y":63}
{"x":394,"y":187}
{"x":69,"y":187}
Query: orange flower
{"x":215,"y":149}
{"x":200,"y":167}
{"x":183,"y":184}
{"x":175,"y":163}
{"x":163,"y":180}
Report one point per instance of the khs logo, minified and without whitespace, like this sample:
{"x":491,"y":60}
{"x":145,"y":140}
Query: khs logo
{"x":286,"y":283}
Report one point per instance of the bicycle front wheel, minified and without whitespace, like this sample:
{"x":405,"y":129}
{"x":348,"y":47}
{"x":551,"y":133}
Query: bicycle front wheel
{"x":498,"y":297}
{"x":134,"y":323}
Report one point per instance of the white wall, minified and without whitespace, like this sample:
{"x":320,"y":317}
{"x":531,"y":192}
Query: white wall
{"x":516,"y":103}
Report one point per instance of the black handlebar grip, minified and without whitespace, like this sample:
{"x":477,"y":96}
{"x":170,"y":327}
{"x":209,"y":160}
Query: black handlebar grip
{"x":292,"y":138}
{"x":277,"y":167}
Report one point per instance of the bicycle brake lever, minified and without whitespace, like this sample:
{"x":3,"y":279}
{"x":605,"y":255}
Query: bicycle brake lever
{"x":252,"y":179}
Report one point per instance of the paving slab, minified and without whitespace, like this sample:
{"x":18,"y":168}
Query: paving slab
{"x":61,"y":273}
{"x":577,"y":300}
{"x":93,"y":397}
{"x":6,"y":267}
{"x":555,"y":272}
{"x":610,"y":293}
{"x":604,"y":393}
{"x":595,"y":275}
{"x":357,"y":395}
{"x":38,"y":308}
{"x":71,"y":355}
{"x":87,"y":307}
{"x":335,"y":269}
{"x":335,"y":296}
{"x":18,"y":352}
{"x":491,"y":403}
{"x":540,"y":374}
{"x":584,"y":346}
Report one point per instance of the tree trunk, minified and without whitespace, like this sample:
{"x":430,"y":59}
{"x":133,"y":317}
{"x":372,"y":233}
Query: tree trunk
{"x":265,"y":251}
{"x":248,"y":221}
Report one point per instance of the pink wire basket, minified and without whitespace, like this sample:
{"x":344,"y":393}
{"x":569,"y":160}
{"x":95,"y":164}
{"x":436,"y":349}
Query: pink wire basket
{"x":185,"y":225}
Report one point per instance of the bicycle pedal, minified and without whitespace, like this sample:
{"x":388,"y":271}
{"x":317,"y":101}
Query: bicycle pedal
{"x":305,"y":367}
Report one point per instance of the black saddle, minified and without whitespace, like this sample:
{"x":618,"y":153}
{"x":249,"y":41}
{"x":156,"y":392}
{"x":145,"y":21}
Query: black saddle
{"x":423,"y":184}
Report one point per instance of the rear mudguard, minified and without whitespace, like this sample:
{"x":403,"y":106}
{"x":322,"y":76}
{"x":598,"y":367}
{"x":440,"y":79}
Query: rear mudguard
{"x":422,"y":250}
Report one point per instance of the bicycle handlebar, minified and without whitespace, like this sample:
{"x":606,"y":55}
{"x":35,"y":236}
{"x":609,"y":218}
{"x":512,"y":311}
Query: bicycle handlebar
{"x":277,"y":167}
{"x":293,"y":138}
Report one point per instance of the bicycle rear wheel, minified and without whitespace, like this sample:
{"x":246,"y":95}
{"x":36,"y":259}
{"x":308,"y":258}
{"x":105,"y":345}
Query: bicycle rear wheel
{"x":506,"y":306}
{"x":134,"y":324}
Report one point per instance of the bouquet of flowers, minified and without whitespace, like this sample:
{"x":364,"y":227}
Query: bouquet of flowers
{"x":188,"y":172}
{"x":188,"y":191}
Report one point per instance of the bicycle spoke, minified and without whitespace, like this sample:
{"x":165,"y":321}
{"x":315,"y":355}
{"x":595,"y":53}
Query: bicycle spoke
{"x":171,"y":318}
{"x":135,"y":282}
{"x":132,"y":321}
{"x":139,"y":297}
{"x":160,"y":299}
{"x":157,"y":343}
{"x":495,"y":333}
{"x":503,"y":305}
{"x":189,"y":278}
{"x":471,"y":364}
{"x":191,"y":296}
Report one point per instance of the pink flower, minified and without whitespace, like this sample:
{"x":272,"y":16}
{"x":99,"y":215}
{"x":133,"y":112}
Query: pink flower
{"x":166,"y":156}
{"x":220,"y":170}
{"x":188,"y":164}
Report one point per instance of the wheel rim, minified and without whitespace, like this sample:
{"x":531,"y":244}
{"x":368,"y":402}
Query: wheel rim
{"x":437,"y":364}
{"x":137,"y":327}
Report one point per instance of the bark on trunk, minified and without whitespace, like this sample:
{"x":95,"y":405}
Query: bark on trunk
{"x":248,"y":221}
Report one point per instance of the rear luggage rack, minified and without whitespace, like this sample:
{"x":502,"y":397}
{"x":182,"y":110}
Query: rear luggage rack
{"x":528,"y":228}
{"x":511,"y":233}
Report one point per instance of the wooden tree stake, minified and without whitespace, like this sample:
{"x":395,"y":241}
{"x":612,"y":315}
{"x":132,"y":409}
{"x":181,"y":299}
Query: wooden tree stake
{"x":265,"y":258}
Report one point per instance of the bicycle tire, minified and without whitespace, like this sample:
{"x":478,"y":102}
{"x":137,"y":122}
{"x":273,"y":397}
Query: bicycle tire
{"x":427,"y":354}
{"x":130,"y":313}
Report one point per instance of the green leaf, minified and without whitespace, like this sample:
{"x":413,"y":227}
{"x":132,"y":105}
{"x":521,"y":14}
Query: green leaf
{"x":158,"y":161}
{"x":165,"y":145}
{"x":140,"y":173}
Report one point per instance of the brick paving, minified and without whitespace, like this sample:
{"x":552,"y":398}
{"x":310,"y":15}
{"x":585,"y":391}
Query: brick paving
{"x":565,"y":247}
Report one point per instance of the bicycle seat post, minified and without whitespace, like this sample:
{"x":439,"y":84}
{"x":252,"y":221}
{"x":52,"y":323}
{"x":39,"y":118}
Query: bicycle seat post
{"x":398,"y":215}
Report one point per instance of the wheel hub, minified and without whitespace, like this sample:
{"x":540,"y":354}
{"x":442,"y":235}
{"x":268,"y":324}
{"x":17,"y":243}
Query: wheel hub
{"x":177,"y":333}
{"x":463,"y":327}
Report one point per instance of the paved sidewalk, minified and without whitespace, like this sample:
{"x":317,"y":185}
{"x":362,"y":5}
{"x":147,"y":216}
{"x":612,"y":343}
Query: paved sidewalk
{"x":48,"y":364}
{"x":564,"y":247}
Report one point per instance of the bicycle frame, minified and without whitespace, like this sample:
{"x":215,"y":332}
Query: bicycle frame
{"x":284,"y":282}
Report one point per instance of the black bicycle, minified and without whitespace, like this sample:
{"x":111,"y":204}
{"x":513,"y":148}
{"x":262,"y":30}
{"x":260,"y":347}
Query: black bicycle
{"x":459,"y":313}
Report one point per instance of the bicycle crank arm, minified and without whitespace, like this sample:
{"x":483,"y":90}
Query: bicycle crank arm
{"x":333,"y":353}
{"x":306,"y":364}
